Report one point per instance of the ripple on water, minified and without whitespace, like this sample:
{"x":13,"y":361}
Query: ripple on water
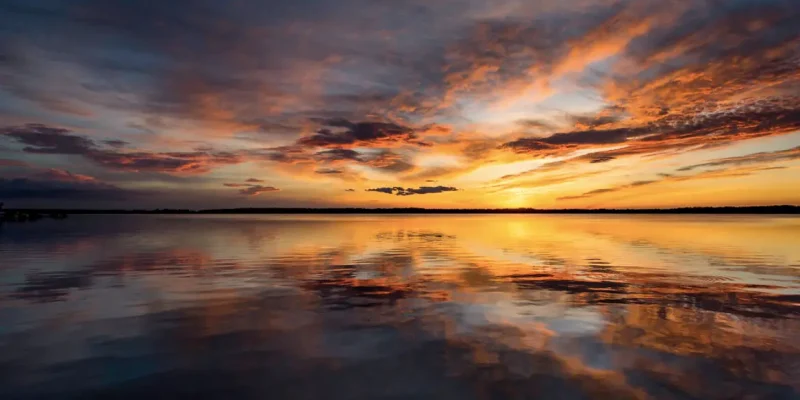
{"x":401,"y":307}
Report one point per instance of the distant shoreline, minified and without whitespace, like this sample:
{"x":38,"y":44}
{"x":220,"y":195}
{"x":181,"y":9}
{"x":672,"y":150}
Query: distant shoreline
{"x":779,"y":209}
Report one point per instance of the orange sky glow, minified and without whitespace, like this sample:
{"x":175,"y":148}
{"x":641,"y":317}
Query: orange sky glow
{"x":451,"y":104}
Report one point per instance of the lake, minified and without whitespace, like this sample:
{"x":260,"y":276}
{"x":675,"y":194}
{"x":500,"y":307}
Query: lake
{"x":401,"y":307}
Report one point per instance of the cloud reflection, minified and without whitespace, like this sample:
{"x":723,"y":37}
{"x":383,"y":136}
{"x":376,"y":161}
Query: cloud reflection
{"x":578,"y":305}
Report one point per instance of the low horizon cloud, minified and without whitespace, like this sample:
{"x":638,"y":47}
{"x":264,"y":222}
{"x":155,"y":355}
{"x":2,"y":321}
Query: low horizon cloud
{"x":400,"y":191}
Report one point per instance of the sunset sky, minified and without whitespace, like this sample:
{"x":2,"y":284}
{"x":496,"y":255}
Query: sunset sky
{"x":418,"y":103}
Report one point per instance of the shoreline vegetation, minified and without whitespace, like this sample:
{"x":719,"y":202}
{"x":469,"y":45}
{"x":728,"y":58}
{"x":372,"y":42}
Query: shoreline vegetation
{"x":29,"y":215}
{"x":23,"y":214}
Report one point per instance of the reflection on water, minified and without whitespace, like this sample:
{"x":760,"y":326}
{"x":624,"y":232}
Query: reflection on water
{"x":440,"y":307}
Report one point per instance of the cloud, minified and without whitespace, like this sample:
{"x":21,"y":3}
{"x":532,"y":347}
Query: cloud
{"x":539,"y":181}
{"x":535,"y":124}
{"x":329,"y":171}
{"x":400,"y":191}
{"x":669,"y":133}
{"x":254,"y":180}
{"x":42,"y":139}
{"x":756,"y":158}
{"x":533,"y":146}
{"x":338,"y":155}
{"x":251,"y":189}
{"x":60,"y":189}
{"x":708,"y":174}
{"x":64,"y":176}
{"x":195,"y":162}
{"x":282,"y":154}
{"x":12,"y":163}
{"x":703,"y":74}
{"x":256,"y":190}
{"x":36,"y":183}
{"x":606,"y":117}
{"x":387,"y":190}
{"x":116,"y":143}
{"x":388,"y":161}
{"x":45,"y":139}
{"x":379,"y":159}
{"x":351,"y":133}
{"x":601,"y":159}
{"x":393,"y":82}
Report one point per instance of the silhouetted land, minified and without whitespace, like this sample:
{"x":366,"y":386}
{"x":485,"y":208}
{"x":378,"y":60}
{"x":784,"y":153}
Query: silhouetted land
{"x":29,"y":215}
{"x":779,"y":209}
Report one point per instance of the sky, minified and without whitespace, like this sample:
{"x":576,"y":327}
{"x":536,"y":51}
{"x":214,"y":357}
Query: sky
{"x":401,"y":103}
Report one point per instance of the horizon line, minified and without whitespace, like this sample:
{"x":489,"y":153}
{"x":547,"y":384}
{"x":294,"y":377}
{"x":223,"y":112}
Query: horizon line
{"x":770,"y":209}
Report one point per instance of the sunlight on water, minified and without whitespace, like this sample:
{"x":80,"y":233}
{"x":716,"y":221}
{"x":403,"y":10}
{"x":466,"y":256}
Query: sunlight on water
{"x":440,"y":307}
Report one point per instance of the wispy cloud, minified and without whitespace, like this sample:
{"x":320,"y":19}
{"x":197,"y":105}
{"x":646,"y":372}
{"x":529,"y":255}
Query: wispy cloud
{"x":666,"y":178}
{"x":756,"y":158}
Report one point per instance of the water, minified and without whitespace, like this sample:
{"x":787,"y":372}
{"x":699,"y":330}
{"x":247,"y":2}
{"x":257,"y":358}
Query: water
{"x":401,"y":306}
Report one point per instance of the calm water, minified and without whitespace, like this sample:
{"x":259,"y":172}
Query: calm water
{"x":370,"y":307}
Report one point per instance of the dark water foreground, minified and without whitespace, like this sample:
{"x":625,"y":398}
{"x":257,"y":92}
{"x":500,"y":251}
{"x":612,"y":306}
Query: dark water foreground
{"x":401,"y":307}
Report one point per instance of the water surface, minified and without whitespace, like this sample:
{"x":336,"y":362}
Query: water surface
{"x":401,"y":306}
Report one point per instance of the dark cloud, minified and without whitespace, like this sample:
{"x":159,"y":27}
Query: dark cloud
{"x":349,"y":190}
{"x":48,"y":140}
{"x":171,"y":162}
{"x":669,"y":132}
{"x":116,"y":143}
{"x":388,"y":161}
{"x":601,"y":159}
{"x":358,"y":133}
{"x":256,"y":190}
{"x":605,"y":117}
{"x":606,"y":136}
{"x":254,"y":180}
{"x":400,"y":191}
{"x":41,"y":139}
{"x":642,"y":183}
{"x":532,"y":145}
{"x":387,"y":190}
{"x":330,"y":160}
{"x":251,"y":189}
{"x":383,"y":160}
{"x":252,"y":66}
{"x":569,"y":140}
{"x":338,"y":154}
{"x":329,"y":171}
{"x":282,"y":154}
{"x":60,"y":189}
